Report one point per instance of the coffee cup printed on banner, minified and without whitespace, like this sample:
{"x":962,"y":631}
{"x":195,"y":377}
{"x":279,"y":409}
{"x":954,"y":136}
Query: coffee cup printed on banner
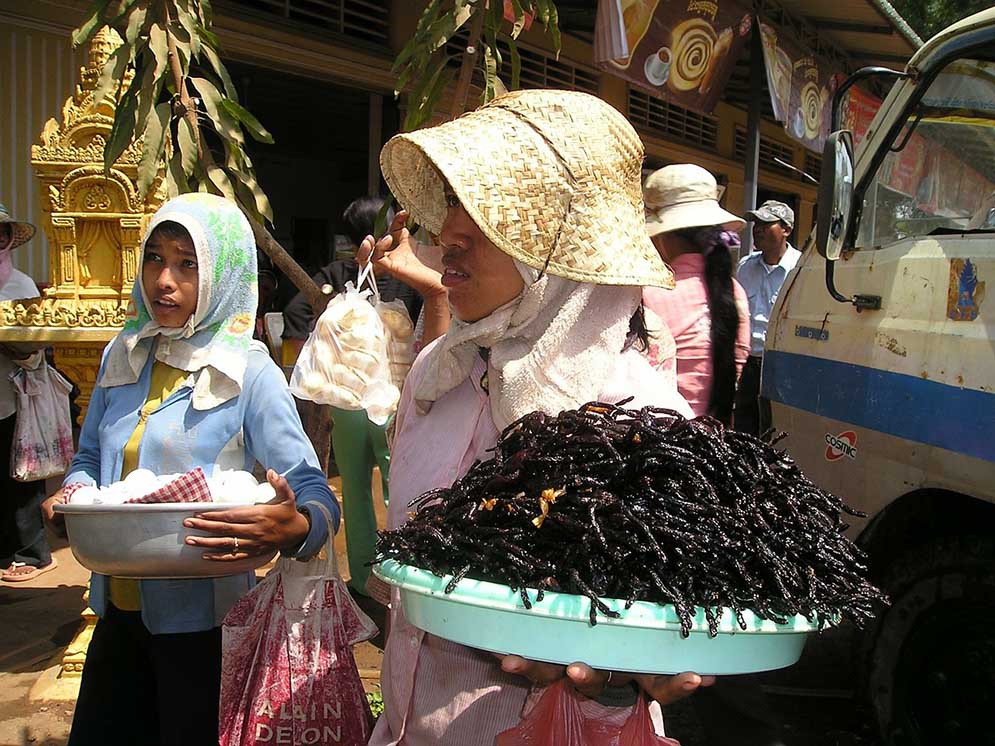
{"x":657,"y":67}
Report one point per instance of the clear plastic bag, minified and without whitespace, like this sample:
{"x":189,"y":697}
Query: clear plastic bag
{"x":344,"y":362}
{"x":559,"y":719}
{"x":400,"y":339}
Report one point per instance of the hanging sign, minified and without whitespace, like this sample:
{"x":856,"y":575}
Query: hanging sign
{"x":801,"y":88}
{"x":682,"y":51}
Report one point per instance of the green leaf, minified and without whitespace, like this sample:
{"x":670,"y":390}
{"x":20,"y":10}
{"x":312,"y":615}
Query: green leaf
{"x":252,"y":124}
{"x":135,"y":23}
{"x":225,"y":124}
{"x":428,"y":17}
{"x":189,"y":24}
{"x":519,"y":24}
{"x":148,"y":92}
{"x":112,"y":74}
{"x":159,"y":47}
{"x":153,"y":147}
{"x":222,"y":72}
{"x":176,"y":177}
{"x":490,"y":74}
{"x":118,"y":14}
{"x":91,"y":25}
{"x":516,"y":65}
{"x":262,"y":201}
{"x":551,"y":20}
{"x":188,"y":145}
{"x":208,"y":37}
{"x":206,"y":13}
{"x":222,"y":183}
{"x":123,"y":129}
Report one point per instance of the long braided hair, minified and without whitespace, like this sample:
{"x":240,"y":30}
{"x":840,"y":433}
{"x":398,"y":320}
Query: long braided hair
{"x":717,"y":245}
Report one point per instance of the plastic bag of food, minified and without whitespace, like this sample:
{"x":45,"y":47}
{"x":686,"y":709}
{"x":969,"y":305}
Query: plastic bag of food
{"x":559,"y":719}
{"x":344,"y":362}
{"x":400,"y":339}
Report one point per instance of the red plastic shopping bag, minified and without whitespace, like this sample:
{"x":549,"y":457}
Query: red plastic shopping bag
{"x":559,"y":719}
{"x":288,"y":675}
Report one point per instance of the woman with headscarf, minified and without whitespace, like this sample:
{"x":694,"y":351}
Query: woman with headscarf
{"x":536,"y":201}
{"x":183,"y":385}
{"x":707,"y":312}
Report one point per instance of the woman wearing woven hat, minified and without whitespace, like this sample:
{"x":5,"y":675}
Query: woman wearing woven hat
{"x":708,"y":311}
{"x":24,"y":550}
{"x":545,"y":253}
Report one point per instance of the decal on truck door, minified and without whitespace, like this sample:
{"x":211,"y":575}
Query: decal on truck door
{"x":838,"y":446}
{"x":965,"y":292}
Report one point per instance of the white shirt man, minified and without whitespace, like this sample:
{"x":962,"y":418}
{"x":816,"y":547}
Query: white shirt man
{"x":761,"y":274}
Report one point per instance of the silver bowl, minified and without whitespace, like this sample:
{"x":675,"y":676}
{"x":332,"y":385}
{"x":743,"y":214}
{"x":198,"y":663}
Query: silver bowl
{"x":146,"y":541}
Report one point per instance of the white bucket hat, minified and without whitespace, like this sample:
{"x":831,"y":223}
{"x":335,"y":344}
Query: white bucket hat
{"x":684,"y":196}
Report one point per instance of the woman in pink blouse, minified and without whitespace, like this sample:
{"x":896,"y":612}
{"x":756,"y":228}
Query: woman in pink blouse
{"x":545,"y":253}
{"x":707,"y":312}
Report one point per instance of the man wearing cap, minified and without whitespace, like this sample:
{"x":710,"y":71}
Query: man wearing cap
{"x":24,"y":552}
{"x":761,"y":274}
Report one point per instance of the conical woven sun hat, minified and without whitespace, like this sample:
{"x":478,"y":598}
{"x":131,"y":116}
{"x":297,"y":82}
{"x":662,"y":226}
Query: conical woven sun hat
{"x":552,"y":178}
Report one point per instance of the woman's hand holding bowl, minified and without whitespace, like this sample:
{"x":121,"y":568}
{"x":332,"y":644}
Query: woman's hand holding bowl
{"x":592,"y":682}
{"x":238,"y":533}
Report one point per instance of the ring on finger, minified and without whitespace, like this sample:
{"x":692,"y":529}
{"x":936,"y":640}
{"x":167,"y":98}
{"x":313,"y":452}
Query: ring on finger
{"x":234,"y":546}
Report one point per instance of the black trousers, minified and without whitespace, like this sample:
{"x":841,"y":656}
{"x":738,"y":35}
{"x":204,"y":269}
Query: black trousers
{"x":22,"y":531}
{"x":141,"y":689}
{"x":752,"y":414}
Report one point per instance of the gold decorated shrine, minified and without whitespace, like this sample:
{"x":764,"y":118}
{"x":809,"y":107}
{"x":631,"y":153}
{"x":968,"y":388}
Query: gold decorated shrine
{"x":94,"y":221}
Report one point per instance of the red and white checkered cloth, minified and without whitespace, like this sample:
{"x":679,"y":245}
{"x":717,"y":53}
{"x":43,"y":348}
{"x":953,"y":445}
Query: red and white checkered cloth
{"x":190,"y":488}
{"x":69,"y":490}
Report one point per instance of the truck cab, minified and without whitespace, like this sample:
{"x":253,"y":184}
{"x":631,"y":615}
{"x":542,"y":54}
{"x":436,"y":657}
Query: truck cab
{"x":880,"y":364}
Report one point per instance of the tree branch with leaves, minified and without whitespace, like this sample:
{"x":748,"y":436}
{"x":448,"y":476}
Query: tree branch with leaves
{"x":171,"y":89}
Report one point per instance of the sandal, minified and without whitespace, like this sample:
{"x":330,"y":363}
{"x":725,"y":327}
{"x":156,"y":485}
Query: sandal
{"x":20,"y":572}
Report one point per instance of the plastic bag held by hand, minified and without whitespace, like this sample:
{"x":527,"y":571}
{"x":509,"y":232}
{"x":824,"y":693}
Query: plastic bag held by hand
{"x":344,"y":362}
{"x":287,"y":673}
{"x":558,"y":719}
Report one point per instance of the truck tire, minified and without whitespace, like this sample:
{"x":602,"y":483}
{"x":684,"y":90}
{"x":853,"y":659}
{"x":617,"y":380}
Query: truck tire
{"x":931,"y":654}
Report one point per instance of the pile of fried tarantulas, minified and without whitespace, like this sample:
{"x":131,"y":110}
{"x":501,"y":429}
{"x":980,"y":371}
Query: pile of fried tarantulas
{"x":643,"y":505}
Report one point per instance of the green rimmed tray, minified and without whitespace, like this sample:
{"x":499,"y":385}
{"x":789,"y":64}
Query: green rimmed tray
{"x":645,"y":639}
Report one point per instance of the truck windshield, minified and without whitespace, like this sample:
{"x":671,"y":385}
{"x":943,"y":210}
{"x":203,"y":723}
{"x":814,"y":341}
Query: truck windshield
{"x":940,"y":173}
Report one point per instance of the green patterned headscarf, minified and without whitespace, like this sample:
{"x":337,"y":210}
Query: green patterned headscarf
{"x":214,"y":343}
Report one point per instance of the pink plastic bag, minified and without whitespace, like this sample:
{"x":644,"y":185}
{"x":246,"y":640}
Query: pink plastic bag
{"x":288,"y":675}
{"x":559,"y":720}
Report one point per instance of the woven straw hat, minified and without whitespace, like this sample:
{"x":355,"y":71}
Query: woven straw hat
{"x":550,"y":177}
{"x":684,"y":196}
{"x":20,"y":232}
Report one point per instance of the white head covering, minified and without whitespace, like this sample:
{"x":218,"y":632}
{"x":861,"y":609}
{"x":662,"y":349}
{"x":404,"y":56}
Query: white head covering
{"x":214,"y":343}
{"x":548,"y":351}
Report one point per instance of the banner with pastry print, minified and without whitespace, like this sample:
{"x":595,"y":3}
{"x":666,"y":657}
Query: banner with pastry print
{"x":801,"y":88}
{"x":680,"y":50}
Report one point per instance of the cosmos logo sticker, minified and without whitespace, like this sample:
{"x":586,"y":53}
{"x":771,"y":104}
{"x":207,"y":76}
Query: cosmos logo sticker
{"x":838,"y":446}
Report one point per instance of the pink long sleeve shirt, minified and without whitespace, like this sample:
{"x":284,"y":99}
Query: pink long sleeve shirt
{"x":684,"y":310}
{"x":435,"y":691}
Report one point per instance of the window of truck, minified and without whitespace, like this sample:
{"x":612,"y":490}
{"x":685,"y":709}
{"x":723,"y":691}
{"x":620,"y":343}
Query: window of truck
{"x":939,"y":174}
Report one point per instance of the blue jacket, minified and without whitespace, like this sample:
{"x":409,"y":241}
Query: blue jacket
{"x":261,"y":425}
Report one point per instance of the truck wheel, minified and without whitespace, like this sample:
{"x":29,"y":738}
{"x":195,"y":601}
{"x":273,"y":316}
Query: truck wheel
{"x":931,"y":665}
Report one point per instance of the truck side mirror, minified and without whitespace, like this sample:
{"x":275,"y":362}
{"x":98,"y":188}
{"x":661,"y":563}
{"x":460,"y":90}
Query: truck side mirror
{"x":835,"y":194}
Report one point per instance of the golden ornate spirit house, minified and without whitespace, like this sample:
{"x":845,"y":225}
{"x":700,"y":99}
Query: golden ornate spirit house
{"x":94,"y":223}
